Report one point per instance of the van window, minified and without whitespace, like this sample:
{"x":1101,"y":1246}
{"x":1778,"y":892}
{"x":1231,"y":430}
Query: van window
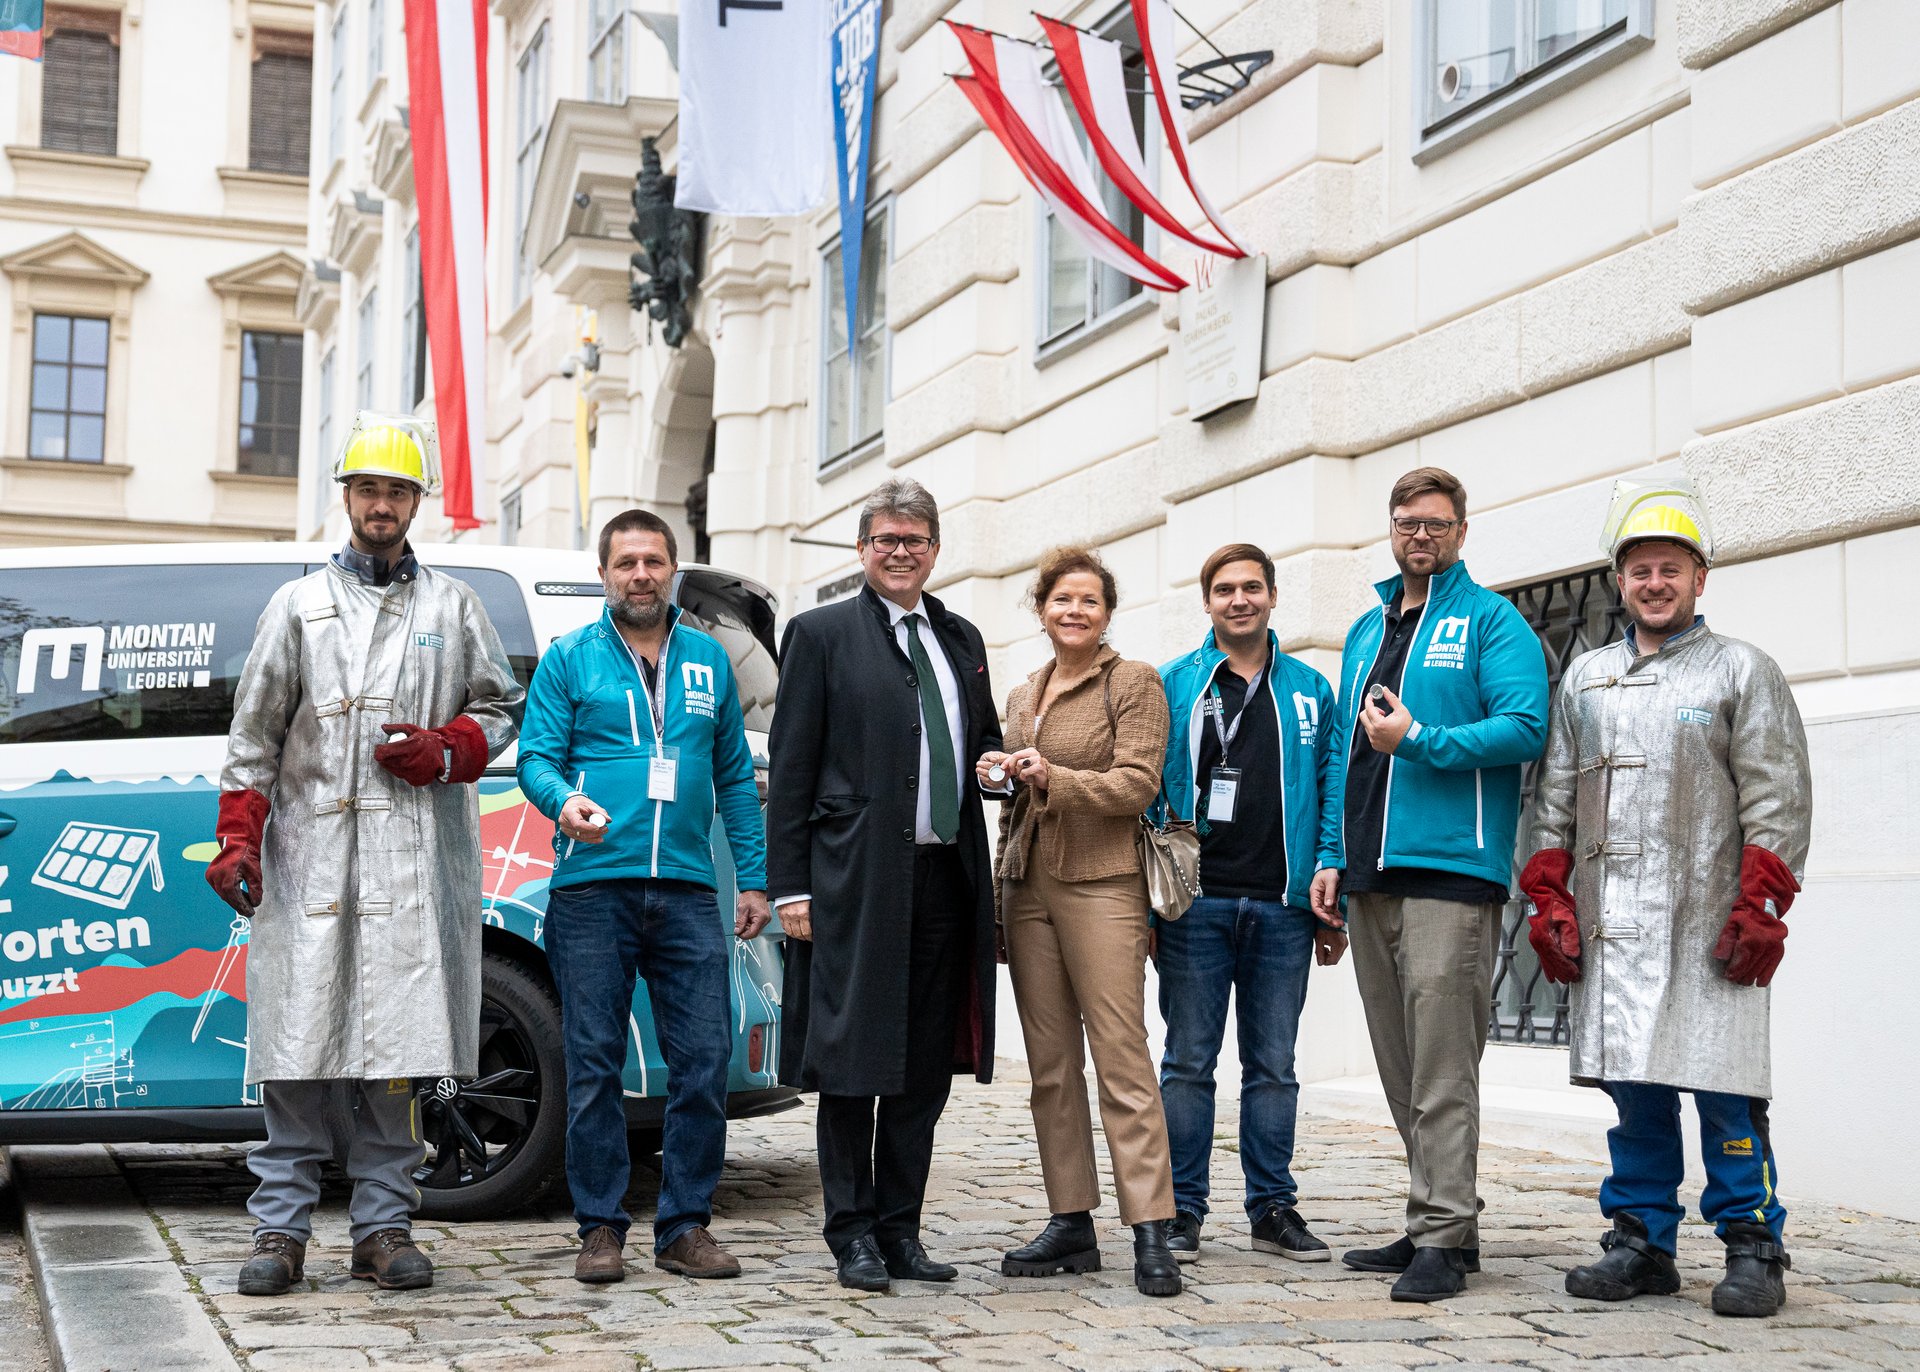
{"x":90,"y":653}
{"x":500,"y":597}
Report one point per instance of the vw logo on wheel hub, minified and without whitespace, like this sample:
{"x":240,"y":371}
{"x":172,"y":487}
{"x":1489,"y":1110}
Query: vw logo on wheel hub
{"x":446,"y":1088}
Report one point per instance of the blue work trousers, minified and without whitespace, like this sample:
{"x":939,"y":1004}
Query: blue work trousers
{"x":1649,"y":1162}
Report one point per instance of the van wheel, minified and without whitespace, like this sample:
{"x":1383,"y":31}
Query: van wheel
{"x":498,"y":1142}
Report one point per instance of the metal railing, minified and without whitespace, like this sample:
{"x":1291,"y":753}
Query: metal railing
{"x":1572,"y":614}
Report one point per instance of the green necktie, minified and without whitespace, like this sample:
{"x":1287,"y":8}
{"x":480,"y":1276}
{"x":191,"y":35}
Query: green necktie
{"x":943,"y":806}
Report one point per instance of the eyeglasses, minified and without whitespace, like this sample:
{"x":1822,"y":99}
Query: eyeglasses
{"x":913,"y":543}
{"x":1407,"y":528}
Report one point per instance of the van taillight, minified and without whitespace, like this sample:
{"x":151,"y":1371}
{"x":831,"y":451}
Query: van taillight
{"x":756,"y":1047}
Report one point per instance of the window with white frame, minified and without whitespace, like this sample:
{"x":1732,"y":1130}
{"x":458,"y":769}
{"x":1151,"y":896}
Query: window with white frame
{"x":280,"y":103}
{"x":1480,"y":62}
{"x":530,"y":129}
{"x":413,"y":328}
{"x":323,"y":438}
{"x":607,"y":51}
{"x":270,"y":366}
{"x":376,"y":39}
{"x":1076,"y":288}
{"x":853,"y":380}
{"x":67,"y":416}
{"x":510,"y":519}
{"x":369,"y":334}
{"x":337,"y":87}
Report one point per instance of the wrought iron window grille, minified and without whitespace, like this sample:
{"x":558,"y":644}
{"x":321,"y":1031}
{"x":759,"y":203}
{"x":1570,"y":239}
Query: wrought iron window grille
{"x":1572,"y":614}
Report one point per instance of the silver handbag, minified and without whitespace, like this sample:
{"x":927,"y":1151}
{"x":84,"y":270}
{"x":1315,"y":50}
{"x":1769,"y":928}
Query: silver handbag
{"x":1170,"y":861}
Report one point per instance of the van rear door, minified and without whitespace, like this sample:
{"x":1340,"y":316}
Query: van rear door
{"x":122,"y":976}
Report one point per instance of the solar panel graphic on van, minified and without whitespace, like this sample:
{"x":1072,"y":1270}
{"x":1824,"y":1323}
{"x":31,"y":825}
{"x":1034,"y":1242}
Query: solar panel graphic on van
{"x":101,"y":863}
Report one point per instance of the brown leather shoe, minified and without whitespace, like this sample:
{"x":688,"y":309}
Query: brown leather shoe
{"x":599,"y":1259}
{"x":391,"y":1260}
{"x":278,"y":1261}
{"x":695,"y":1254}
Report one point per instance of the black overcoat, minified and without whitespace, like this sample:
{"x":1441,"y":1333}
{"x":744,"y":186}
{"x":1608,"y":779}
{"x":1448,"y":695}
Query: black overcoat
{"x":841,"y":800}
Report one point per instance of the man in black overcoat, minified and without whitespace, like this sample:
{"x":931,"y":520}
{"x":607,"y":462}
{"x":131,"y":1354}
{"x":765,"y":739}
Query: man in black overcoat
{"x":878,"y":867}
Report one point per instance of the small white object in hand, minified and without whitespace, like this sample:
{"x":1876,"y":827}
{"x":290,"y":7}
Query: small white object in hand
{"x":598,"y":820}
{"x":996,"y":774}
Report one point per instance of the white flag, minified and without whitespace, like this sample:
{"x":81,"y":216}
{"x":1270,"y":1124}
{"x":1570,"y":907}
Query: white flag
{"x":756,"y":113}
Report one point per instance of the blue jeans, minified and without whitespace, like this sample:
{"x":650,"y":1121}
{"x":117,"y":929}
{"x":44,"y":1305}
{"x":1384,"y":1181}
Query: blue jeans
{"x":600,"y":935}
{"x":1261,"y":950}
{"x":1649,"y":1164}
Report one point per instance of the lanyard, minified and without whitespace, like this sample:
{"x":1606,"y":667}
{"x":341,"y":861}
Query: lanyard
{"x":655,"y":694}
{"x":1225,"y":733}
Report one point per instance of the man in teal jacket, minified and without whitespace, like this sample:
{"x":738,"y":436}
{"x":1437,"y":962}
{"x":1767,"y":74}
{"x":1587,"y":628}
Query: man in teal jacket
{"x":633,"y":732}
{"x":1443,"y":701}
{"x":1250,"y":754}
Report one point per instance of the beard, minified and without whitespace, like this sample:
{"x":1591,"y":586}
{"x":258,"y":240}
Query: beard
{"x":642,"y":617}
{"x":381,"y":543}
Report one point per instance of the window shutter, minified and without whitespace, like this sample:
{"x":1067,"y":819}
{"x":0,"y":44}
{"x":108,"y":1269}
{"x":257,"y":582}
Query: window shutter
{"x":282,"y":112}
{"x":80,"y":93}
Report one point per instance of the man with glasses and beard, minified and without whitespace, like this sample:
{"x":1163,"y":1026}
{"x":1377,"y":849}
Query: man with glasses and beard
{"x":1674,"y":814}
{"x":1443,"y":702}
{"x":634,"y":733}
{"x":877,"y":858}
{"x":349,"y":829}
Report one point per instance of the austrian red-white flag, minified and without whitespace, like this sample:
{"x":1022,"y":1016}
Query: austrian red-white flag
{"x":1154,"y":19}
{"x":447,"y":74}
{"x":1010,"y":92}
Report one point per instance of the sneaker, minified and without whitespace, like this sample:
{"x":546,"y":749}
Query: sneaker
{"x":599,"y":1260}
{"x":391,"y":1260}
{"x":278,"y":1261}
{"x":1279,"y":1229}
{"x":695,"y":1254}
{"x":1183,"y":1236}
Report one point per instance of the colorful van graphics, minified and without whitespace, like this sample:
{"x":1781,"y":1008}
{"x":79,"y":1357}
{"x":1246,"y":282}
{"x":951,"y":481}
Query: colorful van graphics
{"x":122,"y":975}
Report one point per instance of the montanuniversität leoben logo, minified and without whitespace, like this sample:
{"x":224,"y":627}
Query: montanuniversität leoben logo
{"x":1448,"y":646}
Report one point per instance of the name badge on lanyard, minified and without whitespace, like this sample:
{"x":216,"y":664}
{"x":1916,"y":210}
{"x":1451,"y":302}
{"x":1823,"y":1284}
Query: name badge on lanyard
{"x":663,"y":774}
{"x":1223,"y":794}
{"x":1223,"y":790}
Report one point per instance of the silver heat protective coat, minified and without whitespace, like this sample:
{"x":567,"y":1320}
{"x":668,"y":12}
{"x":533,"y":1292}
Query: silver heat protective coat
{"x":1658,"y":770}
{"x":364,"y":957}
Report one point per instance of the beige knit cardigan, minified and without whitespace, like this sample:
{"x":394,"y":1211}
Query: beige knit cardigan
{"x":1104,"y":765}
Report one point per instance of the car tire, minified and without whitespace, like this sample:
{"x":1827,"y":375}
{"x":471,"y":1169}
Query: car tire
{"x":514,"y":1110}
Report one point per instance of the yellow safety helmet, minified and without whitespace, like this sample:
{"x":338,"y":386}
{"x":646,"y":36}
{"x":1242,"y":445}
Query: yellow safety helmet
{"x":1666,"y":512}
{"x":397,"y":445}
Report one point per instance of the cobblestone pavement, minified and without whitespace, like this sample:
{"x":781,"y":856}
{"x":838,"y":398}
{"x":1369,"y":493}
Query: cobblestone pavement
{"x":505,"y":1297}
{"x":23,"y":1344}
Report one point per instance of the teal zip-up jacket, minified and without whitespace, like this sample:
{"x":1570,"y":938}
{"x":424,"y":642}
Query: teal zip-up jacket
{"x":1309,"y":789}
{"x":1476,"y":685}
{"x":590,"y":727}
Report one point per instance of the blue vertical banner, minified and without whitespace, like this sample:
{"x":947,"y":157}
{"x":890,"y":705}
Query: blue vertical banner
{"x":856,"y":78}
{"x":20,"y":25}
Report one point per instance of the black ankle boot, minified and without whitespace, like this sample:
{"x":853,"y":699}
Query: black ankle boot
{"x":1756,"y":1282}
{"x":1632,"y":1266}
{"x":1155,"y":1273}
{"x":1067,"y":1244}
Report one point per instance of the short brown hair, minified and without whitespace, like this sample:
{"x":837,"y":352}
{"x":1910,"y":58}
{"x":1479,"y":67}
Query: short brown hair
{"x":1428,"y":481}
{"x":643,"y":521}
{"x":1233,"y":552}
{"x":1066,"y":560}
{"x":903,"y":498}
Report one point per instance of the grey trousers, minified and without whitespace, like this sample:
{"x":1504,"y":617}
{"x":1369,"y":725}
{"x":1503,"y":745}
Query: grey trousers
{"x":371,"y":1127}
{"x":1425,"y":969}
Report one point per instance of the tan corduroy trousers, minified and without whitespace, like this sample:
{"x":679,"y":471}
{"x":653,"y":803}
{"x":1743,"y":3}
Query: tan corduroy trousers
{"x":1078,"y":953}
{"x":1425,"y":969}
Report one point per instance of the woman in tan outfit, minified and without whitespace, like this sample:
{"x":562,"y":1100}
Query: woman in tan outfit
{"x":1087,"y":733}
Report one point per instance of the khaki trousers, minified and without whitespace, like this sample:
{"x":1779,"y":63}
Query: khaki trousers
{"x":1425,"y":969}
{"x":1078,"y":954}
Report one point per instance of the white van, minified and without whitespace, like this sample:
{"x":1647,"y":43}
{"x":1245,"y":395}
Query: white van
{"x":123,"y":977}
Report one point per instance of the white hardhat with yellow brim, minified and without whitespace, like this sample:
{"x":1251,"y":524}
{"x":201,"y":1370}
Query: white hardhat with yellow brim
{"x":1663,"y":512}
{"x":396,"y":445}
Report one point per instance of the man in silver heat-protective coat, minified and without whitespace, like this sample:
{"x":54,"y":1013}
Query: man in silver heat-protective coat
{"x":375,"y":694}
{"x":1674,"y":809}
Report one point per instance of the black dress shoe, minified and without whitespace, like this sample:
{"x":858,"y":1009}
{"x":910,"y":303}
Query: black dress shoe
{"x":1183,"y":1236}
{"x":861,"y":1266}
{"x":1279,"y":1229}
{"x":1396,"y":1255}
{"x":1756,"y":1283}
{"x":1067,"y":1244}
{"x":1631,"y":1267}
{"x":1433,"y":1275}
{"x":908,"y":1261}
{"x":1155,"y":1273}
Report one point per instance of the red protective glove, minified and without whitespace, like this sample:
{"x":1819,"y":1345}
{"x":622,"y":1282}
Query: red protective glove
{"x":243,"y":819}
{"x":1554,"y":928}
{"x":418,"y":757}
{"x":1754,"y":941}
